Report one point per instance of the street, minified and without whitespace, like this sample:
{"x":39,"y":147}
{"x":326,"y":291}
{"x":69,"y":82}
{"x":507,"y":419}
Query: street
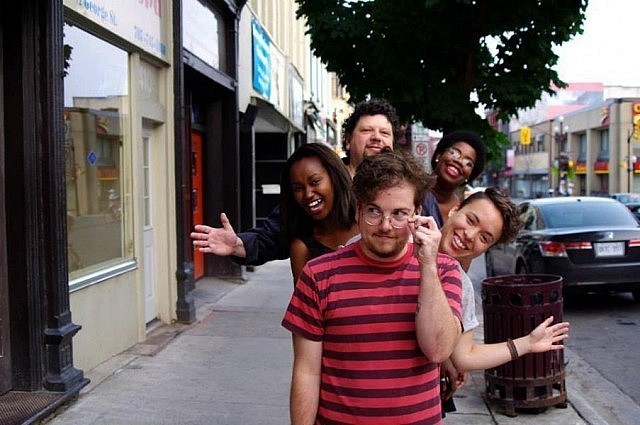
{"x":604,"y":331}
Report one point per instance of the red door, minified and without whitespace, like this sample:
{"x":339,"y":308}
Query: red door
{"x":196,"y":196}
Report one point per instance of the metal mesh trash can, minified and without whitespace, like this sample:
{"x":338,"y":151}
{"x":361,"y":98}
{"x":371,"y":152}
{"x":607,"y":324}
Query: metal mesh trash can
{"x":513,"y":305}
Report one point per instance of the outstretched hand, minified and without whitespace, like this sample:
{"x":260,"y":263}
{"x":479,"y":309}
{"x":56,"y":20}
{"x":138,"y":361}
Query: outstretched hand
{"x":544,"y":337}
{"x":221,"y":241}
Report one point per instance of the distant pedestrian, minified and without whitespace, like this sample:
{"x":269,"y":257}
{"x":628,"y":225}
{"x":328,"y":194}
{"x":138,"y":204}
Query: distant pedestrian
{"x":373,"y":320}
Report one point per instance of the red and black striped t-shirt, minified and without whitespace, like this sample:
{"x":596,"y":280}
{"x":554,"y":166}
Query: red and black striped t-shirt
{"x":363,"y":311}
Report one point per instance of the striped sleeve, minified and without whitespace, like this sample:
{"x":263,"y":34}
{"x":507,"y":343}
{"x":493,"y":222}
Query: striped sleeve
{"x":303,"y":316}
{"x":451,"y":283}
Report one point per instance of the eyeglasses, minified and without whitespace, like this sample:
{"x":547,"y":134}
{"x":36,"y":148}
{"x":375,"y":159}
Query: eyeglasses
{"x":374,"y":217}
{"x":456,"y":154}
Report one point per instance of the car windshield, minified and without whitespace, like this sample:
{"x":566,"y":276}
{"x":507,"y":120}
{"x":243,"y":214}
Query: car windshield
{"x":628,"y":198}
{"x":583,"y":214}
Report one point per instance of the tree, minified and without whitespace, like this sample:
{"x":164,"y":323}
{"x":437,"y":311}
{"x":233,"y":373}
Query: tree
{"x":436,"y":61}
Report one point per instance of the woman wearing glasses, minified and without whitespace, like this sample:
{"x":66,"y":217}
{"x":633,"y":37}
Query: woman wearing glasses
{"x":317,"y":206}
{"x":458,"y":158}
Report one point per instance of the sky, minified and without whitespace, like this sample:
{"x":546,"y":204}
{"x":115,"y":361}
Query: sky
{"x":607,"y":52}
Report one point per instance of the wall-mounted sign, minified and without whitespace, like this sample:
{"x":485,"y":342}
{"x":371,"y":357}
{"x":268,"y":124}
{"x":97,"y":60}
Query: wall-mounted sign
{"x":261,"y":58}
{"x":601,"y":167}
{"x":200,"y":32}
{"x":635,"y":115}
{"x":138,"y":22}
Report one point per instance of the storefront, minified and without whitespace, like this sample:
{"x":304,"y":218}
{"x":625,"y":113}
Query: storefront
{"x":90,"y":176}
{"x":206,"y":133}
{"x":37,"y":333}
{"x":271,"y":96}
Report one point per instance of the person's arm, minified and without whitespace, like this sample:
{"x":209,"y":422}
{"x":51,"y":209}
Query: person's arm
{"x":456,"y":378}
{"x":437,"y":328}
{"x":300,"y":254}
{"x":469,"y":356}
{"x":263,"y":243}
{"x":221,"y":241}
{"x":305,"y":380}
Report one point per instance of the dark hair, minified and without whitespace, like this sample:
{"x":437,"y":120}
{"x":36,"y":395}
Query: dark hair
{"x":369,"y":108}
{"x":511,"y":220}
{"x":468,"y":137}
{"x":296,"y":223}
{"x":388,"y":169}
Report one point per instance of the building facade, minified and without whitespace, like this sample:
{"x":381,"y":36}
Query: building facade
{"x":123,"y":126}
{"x":119,"y":132}
{"x":284,"y":101}
{"x":589,"y":151}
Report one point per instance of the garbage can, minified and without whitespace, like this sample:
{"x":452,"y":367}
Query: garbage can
{"x":512,"y":306}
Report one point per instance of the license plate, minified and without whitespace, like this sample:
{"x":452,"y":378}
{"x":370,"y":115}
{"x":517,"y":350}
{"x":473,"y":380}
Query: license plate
{"x":609,"y":249}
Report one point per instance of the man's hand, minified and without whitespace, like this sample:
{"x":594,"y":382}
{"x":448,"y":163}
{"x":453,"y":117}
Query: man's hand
{"x":426,"y":238}
{"x":219,"y":241}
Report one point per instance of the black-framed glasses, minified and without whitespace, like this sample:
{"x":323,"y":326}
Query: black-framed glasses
{"x":456,"y":154}
{"x":374,"y":217}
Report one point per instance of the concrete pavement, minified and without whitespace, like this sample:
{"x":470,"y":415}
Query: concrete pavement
{"x":233,"y":366}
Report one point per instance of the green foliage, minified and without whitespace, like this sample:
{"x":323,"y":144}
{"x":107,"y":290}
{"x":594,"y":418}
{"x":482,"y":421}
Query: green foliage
{"x":66,"y":49}
{"x":428,"y":57}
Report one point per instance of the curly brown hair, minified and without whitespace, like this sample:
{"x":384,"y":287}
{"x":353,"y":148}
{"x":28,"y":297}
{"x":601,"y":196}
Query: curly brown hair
{"x":389,"y":169}
{"x":511,"y":220}
{"x":369,"y":108}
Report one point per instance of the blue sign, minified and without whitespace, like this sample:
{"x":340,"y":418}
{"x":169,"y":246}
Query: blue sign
{"x":92,"y":157}
{"x":261,"y":56}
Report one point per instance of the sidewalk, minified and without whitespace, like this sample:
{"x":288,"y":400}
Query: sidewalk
{"x":233,"y":366}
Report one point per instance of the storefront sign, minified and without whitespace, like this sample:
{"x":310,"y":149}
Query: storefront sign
{"x":140,"y":22}
{"x":278,"y":75}
{"x":581,"y":168}
{"x":261,"y":60}
{"x":296,"y":97}
{"x":200,"y":32}
{"x":601,"y":167}
{"x":635,"y":112}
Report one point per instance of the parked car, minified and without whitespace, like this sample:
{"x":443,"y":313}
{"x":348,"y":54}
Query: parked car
{"x":592,"y":242}
{"x":635,"y":209}
{"x":626,"y":197}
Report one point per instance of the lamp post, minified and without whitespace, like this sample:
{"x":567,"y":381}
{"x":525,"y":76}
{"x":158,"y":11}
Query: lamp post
{"x":562,"y":159}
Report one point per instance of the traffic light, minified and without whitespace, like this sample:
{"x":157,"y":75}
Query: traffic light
{"x":525,"y":135}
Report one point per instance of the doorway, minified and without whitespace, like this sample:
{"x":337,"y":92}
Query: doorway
{"x":150,"y":309}
{"x":197,"y":197}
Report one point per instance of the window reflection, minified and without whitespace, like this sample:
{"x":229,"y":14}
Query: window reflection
{"x":96,"y":129}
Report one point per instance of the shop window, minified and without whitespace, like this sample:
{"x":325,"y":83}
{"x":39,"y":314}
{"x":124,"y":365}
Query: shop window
{"x":97,"y":135}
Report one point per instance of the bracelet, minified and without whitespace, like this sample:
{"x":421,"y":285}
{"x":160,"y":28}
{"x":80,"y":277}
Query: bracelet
{"x":512,"y":349}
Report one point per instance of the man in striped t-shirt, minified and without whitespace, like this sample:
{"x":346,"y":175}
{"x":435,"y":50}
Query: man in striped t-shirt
{"x":372,"y":321}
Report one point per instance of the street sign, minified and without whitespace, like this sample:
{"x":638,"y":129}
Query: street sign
{"x":421,"y":149}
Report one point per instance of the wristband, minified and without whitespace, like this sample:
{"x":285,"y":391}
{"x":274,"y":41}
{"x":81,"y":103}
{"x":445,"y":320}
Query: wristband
{"x":512,"y":349}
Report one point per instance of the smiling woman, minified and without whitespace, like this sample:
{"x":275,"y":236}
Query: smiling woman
{"x":316,"y":203}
